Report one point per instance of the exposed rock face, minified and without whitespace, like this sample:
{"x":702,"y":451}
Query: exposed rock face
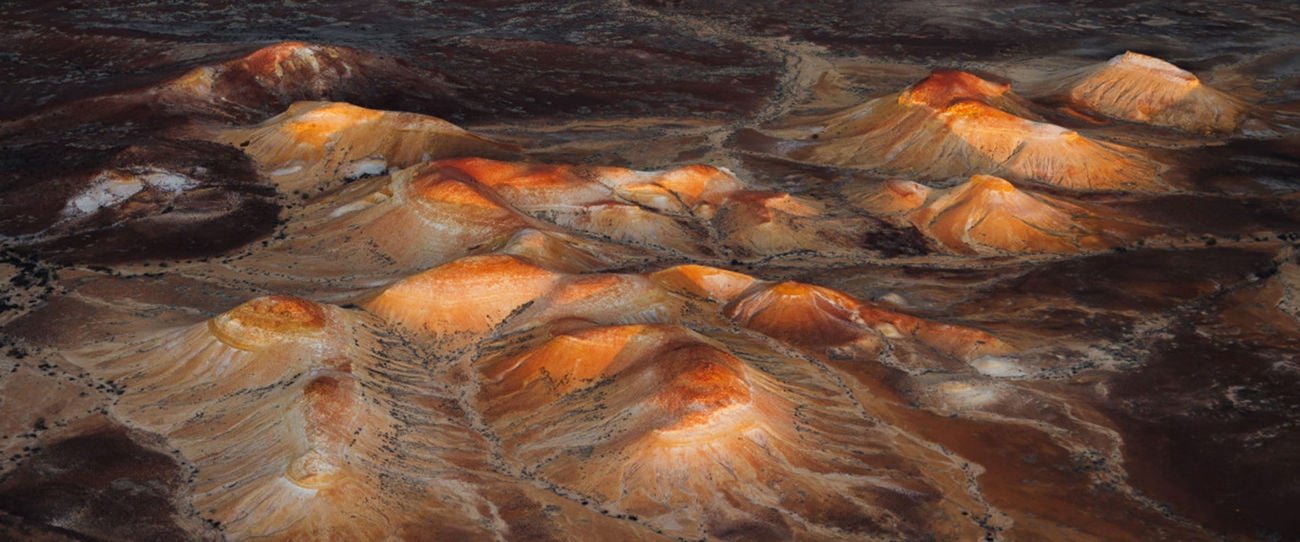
{"x":649,"y":281}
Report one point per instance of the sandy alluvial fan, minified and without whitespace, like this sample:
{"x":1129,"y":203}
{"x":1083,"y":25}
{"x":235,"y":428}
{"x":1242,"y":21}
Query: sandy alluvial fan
{"x":274,"y":297}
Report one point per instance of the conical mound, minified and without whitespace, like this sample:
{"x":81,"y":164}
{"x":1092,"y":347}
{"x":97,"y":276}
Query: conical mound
{"x":799,"y":313}
{"x":896,"y":197}
{"x":762,"y":223}
{"x":287,"y":71}
{"x":990,"y":216}
{"x":473,"y":297}
{"x":656,"y":209}
{"x":573,"y":360}
{"x":889,"y":132}
{"x":277,"y":378}
{"x":718,"y":285}
{"x":831,"y":323}
{"x":314,"y":145}
{"x":269,"y":79}
{"x":957,"y":124}
{"x":288,"y":412}
{"x":469,"y":296}
{"x":597,"y":385}
{"x":259,"y":84}
{"x":992,"y":140}
{"x":564,"y":252}
{"x":252,"y":345}
{"x":389,"y":227}
{"x":1140,"y":88}
{"x":605,"y":298}
{"x":676,"y":191}
{"x":659,"y":423}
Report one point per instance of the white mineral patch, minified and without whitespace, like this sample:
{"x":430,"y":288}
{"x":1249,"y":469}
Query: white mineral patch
{"x":363,"y":168}
{"x":351,"y":208}
{"x":168,"y":181}
{"x":113,"y":187}
{"x":889,"y":331}
{"x":968,"y":395}
{"x":103,"y":194}
{"x":894,"y":299}
{"x":286,"y":171}
{"x":997,"y":367}
{"x":308,"y":55}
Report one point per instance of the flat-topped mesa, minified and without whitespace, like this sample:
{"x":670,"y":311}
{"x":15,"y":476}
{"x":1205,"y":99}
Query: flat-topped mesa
{"x":957,"y":124}
{"x":1140,"y":88}
{"x":314,"y":145}
{"x":125,"y":190}
{"x":990,"y":216}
